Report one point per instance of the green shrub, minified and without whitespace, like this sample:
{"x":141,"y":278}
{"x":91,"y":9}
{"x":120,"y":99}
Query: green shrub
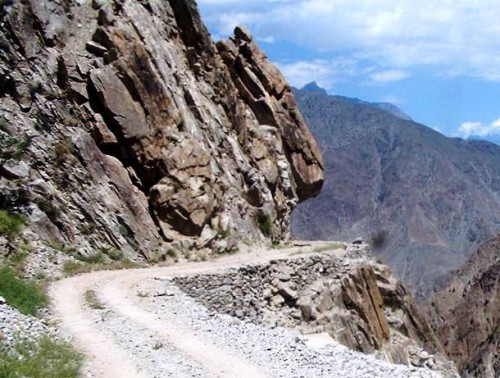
{"x":52,"y":212}
{"x":124,"y":231}
{"x":26,"y":297}
{"x":88,"y":229}
{"x":13,"y":148}
{"x":114,"y":254}
{"x":266,"y":224}
{"x":18,"y":259}
{"x":11,"y":224}
{"x":44,"y":359}
{"x":63,"y":152}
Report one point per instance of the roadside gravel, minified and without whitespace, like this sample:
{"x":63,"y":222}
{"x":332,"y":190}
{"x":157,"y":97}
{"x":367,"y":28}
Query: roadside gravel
{"x":16,"y":327}
{"x":279,"y":352}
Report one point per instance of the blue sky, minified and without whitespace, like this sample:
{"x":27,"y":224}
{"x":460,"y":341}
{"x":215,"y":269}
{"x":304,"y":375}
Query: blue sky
{"x":438,"y":60}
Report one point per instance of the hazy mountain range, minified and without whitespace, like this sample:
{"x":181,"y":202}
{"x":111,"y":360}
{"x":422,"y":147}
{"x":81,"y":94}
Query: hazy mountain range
{"x":425,"y":201}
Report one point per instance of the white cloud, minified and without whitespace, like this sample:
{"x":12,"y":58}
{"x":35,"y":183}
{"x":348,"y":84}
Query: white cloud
{"x":268,"y":39}
{"x":468,"y":129}
{"x":324,"y":72}
{"x":388,"y":76}
{"x":461,"y":37}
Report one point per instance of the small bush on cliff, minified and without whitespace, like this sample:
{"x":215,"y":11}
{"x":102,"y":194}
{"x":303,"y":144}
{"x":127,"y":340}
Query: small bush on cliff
{"x":26,"y":297}
{"x":266,"y":224}
{"x":63,"y":152}
{"x":13,"y":148}
{"x":46,"y":358}
{"x":11,"y":224}
{"x":53,"y":212}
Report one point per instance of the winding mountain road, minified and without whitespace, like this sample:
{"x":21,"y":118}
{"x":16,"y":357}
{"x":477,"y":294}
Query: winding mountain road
{"x":105,"y":358}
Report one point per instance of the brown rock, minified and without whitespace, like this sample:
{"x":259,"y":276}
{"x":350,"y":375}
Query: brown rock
{"x":361,"y":294}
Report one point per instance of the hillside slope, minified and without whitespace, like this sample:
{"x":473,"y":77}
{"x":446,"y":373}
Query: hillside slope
{"x":426,"y":201}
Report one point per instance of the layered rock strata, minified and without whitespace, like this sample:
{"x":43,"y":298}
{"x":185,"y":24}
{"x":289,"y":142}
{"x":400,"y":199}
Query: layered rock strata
{"x":143,"y":131}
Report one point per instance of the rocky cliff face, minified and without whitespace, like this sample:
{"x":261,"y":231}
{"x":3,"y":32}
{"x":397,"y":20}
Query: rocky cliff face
{"x":466,"y":314}
{"x":141,"y":133}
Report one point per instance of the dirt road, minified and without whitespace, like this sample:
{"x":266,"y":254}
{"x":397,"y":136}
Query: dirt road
{"x":115,"y":289}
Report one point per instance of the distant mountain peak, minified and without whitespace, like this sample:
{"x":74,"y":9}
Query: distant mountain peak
{"x":315,"y":88}
{"x":488,"y":138}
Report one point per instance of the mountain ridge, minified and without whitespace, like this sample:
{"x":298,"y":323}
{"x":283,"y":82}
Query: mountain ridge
{"x":313,"y":87}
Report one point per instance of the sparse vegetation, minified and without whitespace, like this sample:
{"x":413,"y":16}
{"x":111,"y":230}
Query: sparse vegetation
{"x":92,"y":300}
{"x":11,"y":224}
{"x":63,"y":151}
{"x":71,"y":121}
{"x":17,"y":260}
{"x":328,"y":247}
{"x":25,"y":296}
{"x":72,"y":268}
{"x":12,"y":148}
{"x":94,"y":258}
{"x":68,"y":249}
{"x":171,"y":252}
{"x":44,"y":359}
{"x":223,"y":233}
{"x":158,"y":256}
{"x":88,"y":229}
{"x":124,"y":231}
{"x":53,"y":212}
{"x":114,"y":254}
{"x":265,"y":224}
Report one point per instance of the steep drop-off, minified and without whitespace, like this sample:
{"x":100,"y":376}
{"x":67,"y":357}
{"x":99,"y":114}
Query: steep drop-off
{"x":424,"y":201}
{"x":466,"y":314}
{"x":141,"y":133}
